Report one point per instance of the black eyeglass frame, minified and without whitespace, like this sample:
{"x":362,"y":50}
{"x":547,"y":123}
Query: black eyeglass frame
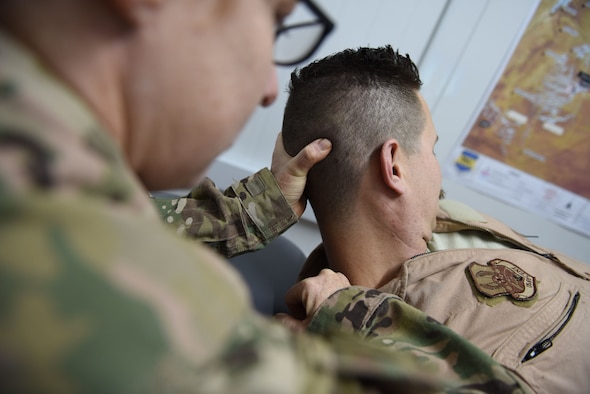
{"x":322,"y":19}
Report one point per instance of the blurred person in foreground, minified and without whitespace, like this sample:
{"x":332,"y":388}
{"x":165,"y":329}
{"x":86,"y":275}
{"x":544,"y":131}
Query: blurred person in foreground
{"x":103,"y":100}
{"x":377,"y":200}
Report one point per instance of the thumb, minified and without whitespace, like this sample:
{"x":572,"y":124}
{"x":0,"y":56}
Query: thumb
{"x":309,"y":156}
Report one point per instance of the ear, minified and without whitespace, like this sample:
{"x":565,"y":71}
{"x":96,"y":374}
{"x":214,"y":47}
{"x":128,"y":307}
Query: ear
{"x":133,"y":11}
{"x":391,"y":166}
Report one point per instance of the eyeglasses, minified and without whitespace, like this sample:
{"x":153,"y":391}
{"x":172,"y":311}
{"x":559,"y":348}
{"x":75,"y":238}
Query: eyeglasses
{"x":297,"y":42}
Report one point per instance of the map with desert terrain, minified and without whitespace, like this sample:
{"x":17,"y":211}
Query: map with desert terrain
{"x":537,"y":118}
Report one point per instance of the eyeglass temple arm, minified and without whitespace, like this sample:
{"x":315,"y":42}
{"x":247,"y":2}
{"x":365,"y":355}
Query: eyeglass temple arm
{"x":329,"y":25}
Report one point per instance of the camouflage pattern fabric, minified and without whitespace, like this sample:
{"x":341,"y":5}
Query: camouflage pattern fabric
{"x":98,"y":296}
{"x":386,"y":321}
{"x":243,"y":218}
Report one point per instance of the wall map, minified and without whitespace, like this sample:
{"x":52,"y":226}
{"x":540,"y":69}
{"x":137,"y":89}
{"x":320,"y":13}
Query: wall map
{"x":529,"y":144}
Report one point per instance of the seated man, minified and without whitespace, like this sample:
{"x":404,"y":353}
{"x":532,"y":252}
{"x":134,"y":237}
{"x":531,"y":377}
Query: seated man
{"x":376,"y":199}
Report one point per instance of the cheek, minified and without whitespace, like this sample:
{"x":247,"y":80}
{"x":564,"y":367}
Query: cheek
{"x":434,"y":168}
{"x":246,"y":83}
{"x":436,"y":184}
{"x":251,"y":43}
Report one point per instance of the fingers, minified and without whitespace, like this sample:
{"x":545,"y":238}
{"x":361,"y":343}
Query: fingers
{"x":293,"y":299}
{"x":299,"y":165}
{"x":279,"y":147}
{"x":291,"y":172}
{"x":313,"y":153}
{"x":290,"y":322}
{"x":306,"y":296}
{"x":318,"y":289}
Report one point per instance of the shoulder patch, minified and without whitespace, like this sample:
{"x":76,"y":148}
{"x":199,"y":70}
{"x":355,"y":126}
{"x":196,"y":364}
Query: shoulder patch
{"x":503,"y":278}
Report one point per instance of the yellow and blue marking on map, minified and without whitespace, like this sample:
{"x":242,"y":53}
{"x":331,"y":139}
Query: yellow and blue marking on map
{"x":466,"y":161}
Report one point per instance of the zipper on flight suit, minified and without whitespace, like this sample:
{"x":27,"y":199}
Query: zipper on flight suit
{"x":547,"y":342}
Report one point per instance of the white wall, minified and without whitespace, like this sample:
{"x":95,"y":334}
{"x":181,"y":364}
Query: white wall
{"x":459,"y":46}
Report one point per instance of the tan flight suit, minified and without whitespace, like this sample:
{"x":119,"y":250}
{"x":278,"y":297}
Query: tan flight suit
{"x":525,"y":306}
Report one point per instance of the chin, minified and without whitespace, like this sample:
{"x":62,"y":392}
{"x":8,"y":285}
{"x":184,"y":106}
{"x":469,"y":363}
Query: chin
{"x":428,"y":236}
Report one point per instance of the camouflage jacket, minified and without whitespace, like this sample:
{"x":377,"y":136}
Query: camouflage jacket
{"x":243,"y":218}
{"x":525,"y":306}
{"x":97,"y":295}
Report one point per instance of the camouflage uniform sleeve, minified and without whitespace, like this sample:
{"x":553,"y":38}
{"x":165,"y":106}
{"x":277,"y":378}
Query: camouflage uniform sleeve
{"x":243,"y":218}
{"x":385,"y":320}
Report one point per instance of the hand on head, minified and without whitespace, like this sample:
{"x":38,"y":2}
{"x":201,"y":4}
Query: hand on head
{"x":291,"y":172}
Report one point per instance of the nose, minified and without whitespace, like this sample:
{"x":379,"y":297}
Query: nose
{"x":271,"y":91}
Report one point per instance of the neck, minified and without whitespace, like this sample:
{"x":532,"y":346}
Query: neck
{"x":368,"y":249}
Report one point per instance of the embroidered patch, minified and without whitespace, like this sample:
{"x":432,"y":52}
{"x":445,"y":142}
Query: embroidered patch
{"x":502,"y":278}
